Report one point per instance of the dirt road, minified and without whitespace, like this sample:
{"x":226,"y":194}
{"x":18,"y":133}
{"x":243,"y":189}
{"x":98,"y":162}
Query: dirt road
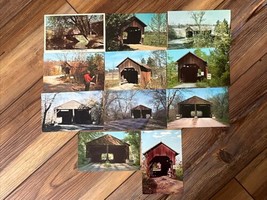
{"x":145,"y":47}
{"x":126,"y":86}
{"x":166,"y":185}
{"x":55,"y":84}
{"x":192,"y":122}
{"x":134,"y":124}
{"x":108,"y":167}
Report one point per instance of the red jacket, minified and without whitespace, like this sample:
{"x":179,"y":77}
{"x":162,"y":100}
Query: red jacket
{"x":87,"y":78}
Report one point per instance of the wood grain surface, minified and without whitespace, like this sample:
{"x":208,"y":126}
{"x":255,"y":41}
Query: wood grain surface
{"x":219,"y":163}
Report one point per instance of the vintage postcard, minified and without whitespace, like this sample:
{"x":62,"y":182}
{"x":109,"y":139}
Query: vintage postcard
{"x":109,"y":151}
{"x":199,"y":29}
{"x":72,"y":111}
{"x":75,"y":32}
{"x":140,"y":31}
{"x":202,"y":67}
{"x":162,"y":170}
{"x":197,"y":107}
{"x":135,"y":70}
{"x":73,"y":71}
{"x":135,"y":110}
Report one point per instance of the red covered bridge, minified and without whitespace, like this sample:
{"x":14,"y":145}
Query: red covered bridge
{"x":159,"y":159}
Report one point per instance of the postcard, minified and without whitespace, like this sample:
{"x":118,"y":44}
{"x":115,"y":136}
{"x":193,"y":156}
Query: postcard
{"x":139,"y":31}
{"x":135,"y":70}
{"x":202,"y":67}
{"x":75,"y":32}
{"x":199,"y":29}
{"x":109,"y":151}
{"x":72,"y":111}
{"x":197,"y":107}
{"x":162,"y":170}
{"x":135,"y":110}
{"x":73,"y":71}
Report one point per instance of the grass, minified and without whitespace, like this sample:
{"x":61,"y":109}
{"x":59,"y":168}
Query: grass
{"x":152,"y":39}
{"x":112,"y":83}
{"x":172,"y":80}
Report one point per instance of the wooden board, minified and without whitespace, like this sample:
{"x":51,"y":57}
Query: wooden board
{"x":43,"y":166}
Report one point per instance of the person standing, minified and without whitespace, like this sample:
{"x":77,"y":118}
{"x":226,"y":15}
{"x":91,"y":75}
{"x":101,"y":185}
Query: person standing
{"x":87,"y":79}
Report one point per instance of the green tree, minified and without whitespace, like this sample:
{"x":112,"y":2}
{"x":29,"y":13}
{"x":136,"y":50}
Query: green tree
{"x":158,"y":26}
{"x":85,"y":137}
{"x":219,"y":59}
{"x":133,"y":138}
{"x":114,"y":29}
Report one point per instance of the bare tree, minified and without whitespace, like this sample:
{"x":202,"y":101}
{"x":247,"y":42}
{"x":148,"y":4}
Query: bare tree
{"x":198,"y":17}
{"x":47,"y":103}
{"x":173,"y":97}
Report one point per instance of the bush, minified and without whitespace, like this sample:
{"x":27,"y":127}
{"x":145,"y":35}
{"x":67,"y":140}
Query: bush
{"x":179,"y":174}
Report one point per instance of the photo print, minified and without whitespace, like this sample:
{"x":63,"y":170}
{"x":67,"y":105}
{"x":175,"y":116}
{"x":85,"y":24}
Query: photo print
{"x":109,"y":151}
{"x":202,"y":67}
{"x":140,"y":31}
{"x":73,"y":71}
{"x":135,"y":110}
{"x":135,"y":70}
{"x":75,"y":32}
{"x":161,"y":167}
{"x":199,"y":29}
{"x":72,"y":111}
{"x":197,"y":107}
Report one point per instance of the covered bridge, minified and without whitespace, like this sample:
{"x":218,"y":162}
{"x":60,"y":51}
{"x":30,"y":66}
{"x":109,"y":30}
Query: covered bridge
{"x":191,"y":68}
{"x":73,"y":112}
{"x":134,"y":72}
{"x":133,"y":32}
{"x":141,"y":111}
{"x":159,"y":159}
{"x":194,"y":106}
{"x":107,"y":148}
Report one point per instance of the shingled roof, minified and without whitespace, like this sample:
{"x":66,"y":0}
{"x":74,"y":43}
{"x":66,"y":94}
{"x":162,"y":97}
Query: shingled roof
{"x":161,"y":143}
{"x":195,"y":100}
{"x":141,"y":107}
{"x":107,"y":140}
{"x":190,"y":53}
{"x":140,"y":64}
{"x":72,"y":105}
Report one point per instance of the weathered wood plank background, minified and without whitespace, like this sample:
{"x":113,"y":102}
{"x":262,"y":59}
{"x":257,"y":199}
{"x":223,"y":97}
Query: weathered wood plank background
{"x":219,"y":163}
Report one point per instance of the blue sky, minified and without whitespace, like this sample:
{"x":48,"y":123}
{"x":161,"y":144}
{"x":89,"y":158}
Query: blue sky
{"x":146,"y":18}
{"x":112,"y":59}
{"x":210,"y":17}
{"x":174,"y":55}
{"x":204,"y":93}
{"x":69,"y":55}
{"x":172,"y":138}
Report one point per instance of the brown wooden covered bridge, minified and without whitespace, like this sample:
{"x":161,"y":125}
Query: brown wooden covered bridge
{"x":194,"y":106}
{"x":73,"y":112}
{"x":141,"y":111}
{"x":134,"y":72}
{"x":159,"y":159}
{"x":107,"y":148}
{"x":133,"y":32}
{"x":191,"y":68}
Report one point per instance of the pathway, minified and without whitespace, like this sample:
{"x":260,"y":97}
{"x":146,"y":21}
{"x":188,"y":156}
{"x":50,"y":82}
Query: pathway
{"x":167,"y":185}
{"x":192,"y":122}
{"x":108,"y":167}
{"x":145,"y":47}
{"x":134,"y":124}
{"x":55,"y":84}
{"x":186,"y":85}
